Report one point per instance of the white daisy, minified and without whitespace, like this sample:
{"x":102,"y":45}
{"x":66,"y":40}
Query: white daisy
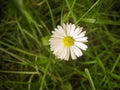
{"x":68,"y":41}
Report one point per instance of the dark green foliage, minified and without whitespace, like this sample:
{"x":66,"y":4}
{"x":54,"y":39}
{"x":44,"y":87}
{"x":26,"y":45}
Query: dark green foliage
{"x":26,"y":62}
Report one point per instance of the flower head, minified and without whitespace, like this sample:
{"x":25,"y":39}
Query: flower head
{"x":68,"y":41}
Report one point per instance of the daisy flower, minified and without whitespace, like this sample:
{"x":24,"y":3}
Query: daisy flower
{"x":67,"y":41}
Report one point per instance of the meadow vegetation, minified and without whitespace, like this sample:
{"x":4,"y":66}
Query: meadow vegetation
{"x":26,"y":61}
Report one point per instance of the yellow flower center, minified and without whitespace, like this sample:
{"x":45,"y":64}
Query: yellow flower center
{"x":68,"y":41}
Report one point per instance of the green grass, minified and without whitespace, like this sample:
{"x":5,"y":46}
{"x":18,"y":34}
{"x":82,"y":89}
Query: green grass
{"x":26,"y":61}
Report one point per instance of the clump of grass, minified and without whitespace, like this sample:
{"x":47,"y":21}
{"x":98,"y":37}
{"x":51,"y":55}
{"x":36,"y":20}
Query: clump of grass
{"x":26,"y":60}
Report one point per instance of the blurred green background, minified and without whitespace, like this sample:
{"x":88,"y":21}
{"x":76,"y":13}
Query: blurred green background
{"x":26,"y":62}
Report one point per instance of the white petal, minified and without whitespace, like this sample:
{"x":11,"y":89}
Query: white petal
{"x":64,"y":52}
{"x":61,"y":30}
{"x":73,"y":56}
{"x":58,"y":33}
{"x":68,"y":26}
{"x":64,"y":26}
{"x":82,"y":39}
{"x":77,"y":31}
{"x":67,"y":54}
{"x":55,"y":41}
{"x":72,"y":29}
{"x":77,"y":51}
{"x":82,"y":34}
{"x":59,"y":53}
{"x":81,"y":45}
{"x":57,"y":49}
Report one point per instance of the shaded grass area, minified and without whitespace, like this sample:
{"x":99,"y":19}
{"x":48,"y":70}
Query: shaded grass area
{"x":26,"y":61}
